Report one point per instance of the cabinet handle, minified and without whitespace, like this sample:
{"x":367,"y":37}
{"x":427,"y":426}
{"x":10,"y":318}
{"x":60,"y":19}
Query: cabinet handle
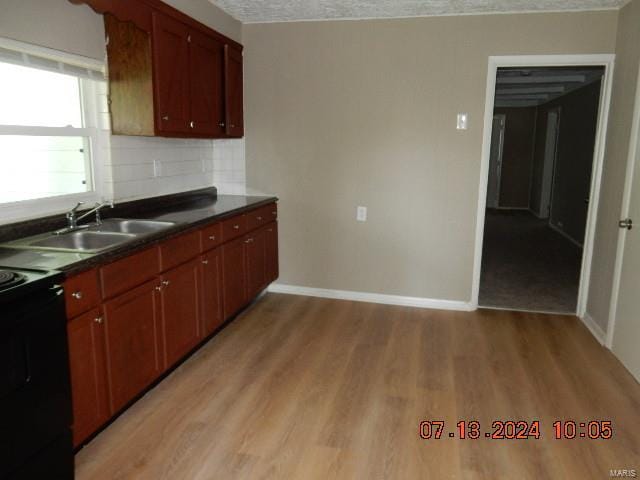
{"x":192,"y":124}
{"x":248,"y":240}
{"x":189,"y":38}
{"x":236,"y":227}
{"x":77,"y":295}
{"x":166,"y":283}
{"x":205,"y":262}
{"x":222,"y":124}
{"x":212,"y":237}
{"x":98,"y":320}
{"x":165,"y":118}
{"x":159,"y":288}
{"x":259,"y":219}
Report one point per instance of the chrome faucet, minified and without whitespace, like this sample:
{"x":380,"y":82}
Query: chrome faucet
{"x":73,"y":218}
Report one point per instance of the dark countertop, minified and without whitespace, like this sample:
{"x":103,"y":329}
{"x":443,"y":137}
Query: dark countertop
{"x":189,"y":211}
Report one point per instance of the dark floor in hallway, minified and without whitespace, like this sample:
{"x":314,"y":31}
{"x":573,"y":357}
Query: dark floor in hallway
{"x":526,"y":265}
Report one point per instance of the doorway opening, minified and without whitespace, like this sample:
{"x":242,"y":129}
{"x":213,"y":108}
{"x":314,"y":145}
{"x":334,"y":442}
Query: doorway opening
{"x":543,"y":165}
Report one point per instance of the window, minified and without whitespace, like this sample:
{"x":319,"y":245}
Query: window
{"x":49,"y":140}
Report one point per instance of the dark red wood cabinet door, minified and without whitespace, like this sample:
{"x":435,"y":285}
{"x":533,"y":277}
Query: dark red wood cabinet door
{"x":206,"y":81}
{"x":234,"y":91}
{"x":132,"y":339}
{"x":234,"y":282}
{"x":256,"y":262}
{"x":180,"y":311}
{"x":211,"y":291}
{"x":171,"y":69}
{"x":88,"y":374}
{"x":272,"y":263}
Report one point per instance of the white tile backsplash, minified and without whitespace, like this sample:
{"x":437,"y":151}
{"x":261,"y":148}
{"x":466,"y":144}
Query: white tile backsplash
{"x":138,"y":167}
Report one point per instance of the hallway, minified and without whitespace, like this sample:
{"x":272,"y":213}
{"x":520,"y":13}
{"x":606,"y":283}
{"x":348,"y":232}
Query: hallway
{"x":528,"y":266}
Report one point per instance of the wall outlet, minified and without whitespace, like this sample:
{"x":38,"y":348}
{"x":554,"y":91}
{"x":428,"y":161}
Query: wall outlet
{"x":361,"y":214}
{"x":463,"y":121}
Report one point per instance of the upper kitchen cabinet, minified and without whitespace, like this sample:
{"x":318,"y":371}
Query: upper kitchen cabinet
{"x":233,"y":91}
{"x":170,"y":75}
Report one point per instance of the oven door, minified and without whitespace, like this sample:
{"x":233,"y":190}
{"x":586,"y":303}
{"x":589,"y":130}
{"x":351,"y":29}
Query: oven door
{"x":35,"y":396}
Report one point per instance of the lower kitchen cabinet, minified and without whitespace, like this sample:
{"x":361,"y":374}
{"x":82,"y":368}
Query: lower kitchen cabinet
{"x":88,"y":374}
{"x":272,"y":270}
{"x":211,"y":291}
{"x":255,"y":253}
{"x":132,"y":333}
{"x":180,"y":319}
{"x":123,"y":337}
{"x":234,"y":278}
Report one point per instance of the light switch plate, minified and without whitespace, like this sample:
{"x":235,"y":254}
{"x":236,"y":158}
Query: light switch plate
{"x":463,"y":121}
{"x":361,"y":214}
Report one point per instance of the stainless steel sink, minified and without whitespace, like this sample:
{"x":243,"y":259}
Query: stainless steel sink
{"x":137,"y":227}
{"x":80,"y":241}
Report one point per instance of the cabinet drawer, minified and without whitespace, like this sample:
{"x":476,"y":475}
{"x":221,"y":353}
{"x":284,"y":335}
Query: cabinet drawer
{"x":234,"y":227}
{"x":129,"y":272}
{"x":178,"y":250}
{"x":210,"y":237}
{"x":257,"y":218}
{"x":81,"y":293}
{"x":271,"y":211}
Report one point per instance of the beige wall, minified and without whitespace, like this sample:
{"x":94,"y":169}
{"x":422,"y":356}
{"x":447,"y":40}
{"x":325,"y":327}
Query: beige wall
{"x":55,"y":24}
{"x":77,"y":29}
{"x":340,"y":114}
{"x":618,"y":137}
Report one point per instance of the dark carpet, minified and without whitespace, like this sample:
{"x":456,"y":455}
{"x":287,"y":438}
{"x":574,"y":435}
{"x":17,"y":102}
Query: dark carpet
{"x":527,"y":266}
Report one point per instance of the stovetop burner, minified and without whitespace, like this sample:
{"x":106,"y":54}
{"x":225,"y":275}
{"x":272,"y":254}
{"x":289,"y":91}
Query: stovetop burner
{"x":10,"y":279}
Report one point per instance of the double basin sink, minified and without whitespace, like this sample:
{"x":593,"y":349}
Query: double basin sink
{"x":94,"y":238}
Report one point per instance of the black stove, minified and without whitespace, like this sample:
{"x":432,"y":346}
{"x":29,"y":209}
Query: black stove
{"x":10,"y":279}
{"x":16,"y":283}
{"x":35,"y":392}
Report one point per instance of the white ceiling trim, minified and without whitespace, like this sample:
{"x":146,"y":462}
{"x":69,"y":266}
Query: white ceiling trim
{"x":247,"y":13}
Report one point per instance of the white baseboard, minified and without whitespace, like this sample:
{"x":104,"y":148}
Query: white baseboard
{"x":594,"y":328}
{"x":373,"y":298}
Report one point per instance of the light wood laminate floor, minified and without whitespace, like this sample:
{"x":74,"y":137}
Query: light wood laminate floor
{"x":308,"y":388}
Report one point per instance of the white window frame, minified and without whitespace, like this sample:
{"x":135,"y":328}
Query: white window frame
{"x":89,"y":90}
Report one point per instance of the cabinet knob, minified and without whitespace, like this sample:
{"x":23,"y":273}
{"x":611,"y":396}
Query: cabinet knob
{"x":212,"y":237}
{"x":232,"y":126}
{"x":259,"y":218}
{"x":274,"y":213}
{"x":222,"y":124}
{"x":205,"y":262}
{"x":77,"y":295}
{"x":192,"y":124}
{"x":236,"y":227}
{"x":166,"y":283}
{"x":165,"y":118}
{"x":98,"y":319}
{"x":248,"y":240}
{"x":159,"y":288}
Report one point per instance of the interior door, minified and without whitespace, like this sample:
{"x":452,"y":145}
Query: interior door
{"x":495,"y":161}
{"x":626,"y":336}
{"x":171,"y":63}
{"x":550,"y":152}
{"x":206,"y":74}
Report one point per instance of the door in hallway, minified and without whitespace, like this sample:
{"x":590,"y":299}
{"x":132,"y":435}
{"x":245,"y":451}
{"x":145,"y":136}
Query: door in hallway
{"x":626,"y":336}
{"x":495,"y":162}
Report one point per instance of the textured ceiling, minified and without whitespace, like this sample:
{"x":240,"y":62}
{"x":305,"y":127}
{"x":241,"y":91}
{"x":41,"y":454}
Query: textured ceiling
{"x":255,"y":11}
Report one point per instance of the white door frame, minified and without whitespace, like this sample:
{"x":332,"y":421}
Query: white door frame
{"x":632,"y":162}
{"x":606,"y":61}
